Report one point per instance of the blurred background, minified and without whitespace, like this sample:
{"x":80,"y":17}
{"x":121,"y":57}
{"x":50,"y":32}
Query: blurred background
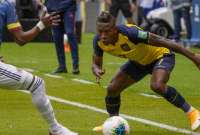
{"x":157,"y":16}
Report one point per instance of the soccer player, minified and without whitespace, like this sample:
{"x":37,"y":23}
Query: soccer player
{"x":147,"y":53}
{"x":13,"y":78}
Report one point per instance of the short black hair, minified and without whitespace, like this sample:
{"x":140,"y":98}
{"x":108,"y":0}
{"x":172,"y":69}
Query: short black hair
{"x":105,"y":17}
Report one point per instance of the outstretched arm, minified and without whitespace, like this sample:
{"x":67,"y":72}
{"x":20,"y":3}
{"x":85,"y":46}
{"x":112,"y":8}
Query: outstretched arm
{"x":159,"y":41}
{"x":22,"y":37}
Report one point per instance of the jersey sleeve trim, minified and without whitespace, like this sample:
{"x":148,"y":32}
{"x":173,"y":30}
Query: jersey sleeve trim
{"x":13,"y":25}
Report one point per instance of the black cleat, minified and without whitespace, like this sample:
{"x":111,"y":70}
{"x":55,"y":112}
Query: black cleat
{"x":60,"y":70}
{"x":76,"y":70}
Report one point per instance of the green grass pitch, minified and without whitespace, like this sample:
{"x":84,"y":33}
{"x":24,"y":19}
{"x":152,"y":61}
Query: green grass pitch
{"x":19,"y":117}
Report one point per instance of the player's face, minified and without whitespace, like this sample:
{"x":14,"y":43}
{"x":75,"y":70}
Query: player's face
{"x":107,"y":33}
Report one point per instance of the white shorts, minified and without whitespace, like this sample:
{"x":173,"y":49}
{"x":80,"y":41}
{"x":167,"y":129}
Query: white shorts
{"x":12,"y":77}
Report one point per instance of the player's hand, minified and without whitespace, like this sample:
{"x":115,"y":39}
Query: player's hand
{"x":51,"y":19}
{"x":98,"y":73}
{"x":196,"y":60}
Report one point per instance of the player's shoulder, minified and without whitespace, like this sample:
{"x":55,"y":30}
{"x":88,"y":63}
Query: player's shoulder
{"x":96,"y":38}
{"x":127,"y":26}
{"x":97,"y":50}
{"x":127,"y":29}
{"x":1,"y":1}
{"x":134,"y":33}
{"x":5,"y":4}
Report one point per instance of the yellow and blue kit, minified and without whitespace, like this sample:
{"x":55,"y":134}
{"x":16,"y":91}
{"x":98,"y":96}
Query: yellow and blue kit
{"x":8,"y":17}
{"x":132,"y":44}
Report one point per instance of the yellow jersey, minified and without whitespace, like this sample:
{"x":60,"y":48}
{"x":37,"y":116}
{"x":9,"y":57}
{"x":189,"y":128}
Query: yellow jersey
{"x":132,"y":44}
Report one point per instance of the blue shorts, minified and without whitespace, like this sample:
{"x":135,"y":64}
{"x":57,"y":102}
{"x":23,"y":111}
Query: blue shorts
{"x":138,"y":71}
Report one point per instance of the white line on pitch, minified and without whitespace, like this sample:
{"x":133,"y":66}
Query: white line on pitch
{"x":140,"y":120}
{"x":29,"y":70}
{"x":150,"y":95}
{"x":82,"y":81}
{"x":53,"y":76}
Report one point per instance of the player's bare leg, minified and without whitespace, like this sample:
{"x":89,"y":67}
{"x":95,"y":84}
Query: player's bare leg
{"x":159,"y":81}
{"x":119,"y":82}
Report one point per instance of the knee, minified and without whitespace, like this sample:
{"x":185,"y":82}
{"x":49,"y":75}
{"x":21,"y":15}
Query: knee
{"x":158,"y":87}
{"x":38,"y":91}
{"x":112,"y":91}
{"x":38,"y":85}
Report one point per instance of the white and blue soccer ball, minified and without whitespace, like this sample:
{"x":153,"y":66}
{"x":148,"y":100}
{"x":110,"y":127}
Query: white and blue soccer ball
{"x":116,"y":125}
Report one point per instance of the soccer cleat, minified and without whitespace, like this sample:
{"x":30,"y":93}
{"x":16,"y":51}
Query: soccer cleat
{"x":98,"y":129}
{"x":76,"y":70}
{"x":59,"y":70}
{"x":62,"y":131}
{"x":194,"y":117}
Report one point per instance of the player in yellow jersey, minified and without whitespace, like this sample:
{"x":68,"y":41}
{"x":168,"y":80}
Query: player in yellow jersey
{"x":147,"y":53}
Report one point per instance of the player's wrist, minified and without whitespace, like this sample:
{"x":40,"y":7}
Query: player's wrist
{"x":40,"y":25}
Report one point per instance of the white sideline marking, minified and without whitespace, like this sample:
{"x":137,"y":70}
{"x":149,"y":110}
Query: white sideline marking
{"x":53,"y":76}
{"x":105,"y":87}
{"x":140,"y":120}
{"x":28,"y":69}
{"x":150,"y":95}
{"x":82,"y":81}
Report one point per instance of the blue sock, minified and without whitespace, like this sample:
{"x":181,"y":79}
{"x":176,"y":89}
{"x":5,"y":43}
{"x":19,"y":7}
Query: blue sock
{"x":176,"y":99}
{"x":112,"y":105}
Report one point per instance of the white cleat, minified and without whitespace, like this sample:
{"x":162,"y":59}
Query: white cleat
{"x":62,"y":131}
